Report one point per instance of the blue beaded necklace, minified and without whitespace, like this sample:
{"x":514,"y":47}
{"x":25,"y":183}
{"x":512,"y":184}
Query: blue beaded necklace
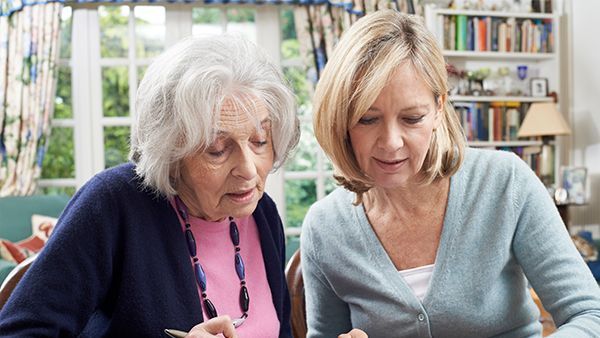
{"x":209,"y":307}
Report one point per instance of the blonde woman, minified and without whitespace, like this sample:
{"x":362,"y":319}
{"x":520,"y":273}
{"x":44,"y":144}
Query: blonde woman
{"x":431,"y":238}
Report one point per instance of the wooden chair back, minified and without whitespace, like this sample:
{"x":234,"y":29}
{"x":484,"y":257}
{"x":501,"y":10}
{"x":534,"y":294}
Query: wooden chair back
{"x":13,"y":278}
{"x":293,"y":274}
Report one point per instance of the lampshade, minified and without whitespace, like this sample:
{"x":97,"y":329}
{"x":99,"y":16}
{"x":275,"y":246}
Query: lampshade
{"x":543,"y":119}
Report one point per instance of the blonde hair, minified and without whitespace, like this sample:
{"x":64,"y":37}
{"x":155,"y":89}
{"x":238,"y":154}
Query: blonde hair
{"x":361,"y":65}
{"x":179,"y":102}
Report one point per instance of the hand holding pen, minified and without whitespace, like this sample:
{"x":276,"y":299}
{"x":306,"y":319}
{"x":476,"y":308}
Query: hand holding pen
{"x":211,"y":328}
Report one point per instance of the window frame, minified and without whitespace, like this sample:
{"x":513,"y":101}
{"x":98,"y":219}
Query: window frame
{"x":86,"y":66}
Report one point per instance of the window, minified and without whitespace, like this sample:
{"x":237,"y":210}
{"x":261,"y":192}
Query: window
{"x":107,"y":49}
{"x":129,"y":38}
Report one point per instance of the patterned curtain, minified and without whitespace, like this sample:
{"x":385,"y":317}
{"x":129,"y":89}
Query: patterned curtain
{"x":320,"y":24}
{"x":28,"y":56}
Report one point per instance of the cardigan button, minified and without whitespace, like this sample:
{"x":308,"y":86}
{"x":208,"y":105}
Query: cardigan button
{"x":421,"y":317}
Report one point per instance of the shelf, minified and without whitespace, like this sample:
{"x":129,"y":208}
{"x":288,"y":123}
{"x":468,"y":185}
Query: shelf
{"x":498,"y":55}
{"x":479,"y":144}
{"x":460,"y":98}
{"x":474,"y":111}
{"x":496,"y":14}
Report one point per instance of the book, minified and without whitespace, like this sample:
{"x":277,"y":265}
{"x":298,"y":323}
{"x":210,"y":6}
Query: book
{"x":476,"y":33}
{"x":452,"y":33}
{"x":446,"y":33}
{"x":502,"y":31}
{"x":513,"y":124}
{"x":461,"y":32}
{"x":495,"y":24}
{"x":488,"y":31}
{"x":470,"y":35}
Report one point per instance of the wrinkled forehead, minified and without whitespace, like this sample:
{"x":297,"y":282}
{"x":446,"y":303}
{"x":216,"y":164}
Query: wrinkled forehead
{"x":242,"y":115}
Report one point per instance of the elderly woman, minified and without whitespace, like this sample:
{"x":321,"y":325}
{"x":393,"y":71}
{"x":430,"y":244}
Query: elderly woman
{"x":185,"y":234}
{"x":432,"y":238}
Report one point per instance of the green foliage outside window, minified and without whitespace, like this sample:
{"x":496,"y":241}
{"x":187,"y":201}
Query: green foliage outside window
{"x":115,"y":91}
{"x":114,"y":38}
{"x":63,"y":105}
{"x":299,"y":195}
{"x":305,"y":157}
{"x":115,"y":102}
{"x":59,"y":161}
{"x":287,"y":23}
{"x":206,"y":15}
{"x":116,"y":145}
{"x":240,"y":14}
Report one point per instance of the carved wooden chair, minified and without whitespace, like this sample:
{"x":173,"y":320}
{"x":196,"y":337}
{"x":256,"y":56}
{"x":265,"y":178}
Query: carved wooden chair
{"x":293,"y":274}
{"x":13,"y":278}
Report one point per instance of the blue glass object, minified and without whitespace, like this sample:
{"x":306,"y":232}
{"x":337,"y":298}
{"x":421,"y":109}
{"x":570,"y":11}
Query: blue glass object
{"x":234,"y":233}
{"x":239,"y":266}
{"x":200,"y":276}
{"x":522,"y":72}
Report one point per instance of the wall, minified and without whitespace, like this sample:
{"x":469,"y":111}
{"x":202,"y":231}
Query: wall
{"x":585,"y":105}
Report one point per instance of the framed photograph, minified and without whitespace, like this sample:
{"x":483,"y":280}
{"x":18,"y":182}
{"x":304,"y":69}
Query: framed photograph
{"x":539,"y":86}
{"x":574,"y":182}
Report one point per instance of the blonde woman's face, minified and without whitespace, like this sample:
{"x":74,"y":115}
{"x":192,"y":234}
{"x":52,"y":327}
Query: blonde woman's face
{"x":391,"y":140}
{"x":228,"y":179}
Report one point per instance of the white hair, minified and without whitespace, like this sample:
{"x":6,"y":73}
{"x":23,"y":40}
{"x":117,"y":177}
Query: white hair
{"x":180,"y":97}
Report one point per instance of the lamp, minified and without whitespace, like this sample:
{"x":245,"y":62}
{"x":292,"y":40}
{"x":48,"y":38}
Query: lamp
{"x":545,"y":121}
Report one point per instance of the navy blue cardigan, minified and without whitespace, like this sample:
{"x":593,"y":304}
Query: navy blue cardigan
{"x":117,"y":265}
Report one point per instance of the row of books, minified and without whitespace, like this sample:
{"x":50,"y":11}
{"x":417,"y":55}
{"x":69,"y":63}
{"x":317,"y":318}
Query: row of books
{"x":541,"y":6}
{"x":491,"y":121}
{"x":480,"y":34}
{"x":531,"y":156}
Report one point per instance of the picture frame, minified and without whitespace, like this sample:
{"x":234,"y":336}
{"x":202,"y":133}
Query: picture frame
{"x":574,"y":181}
{"x":539,"y":86}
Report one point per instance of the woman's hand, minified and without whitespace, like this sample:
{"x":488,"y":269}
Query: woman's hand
{"x":212,"y":327}
{"x":355,"y":333}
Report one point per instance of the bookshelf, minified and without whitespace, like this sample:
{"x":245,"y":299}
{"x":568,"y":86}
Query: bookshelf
{"x":496,"y":14}
{"x":503,"y":44}
{"x":500,"y":98}
{"x":489,"y":55}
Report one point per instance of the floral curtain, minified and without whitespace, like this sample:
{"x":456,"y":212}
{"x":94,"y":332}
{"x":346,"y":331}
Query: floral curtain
{"x":28,"y":56}
{"x":319,"y":25}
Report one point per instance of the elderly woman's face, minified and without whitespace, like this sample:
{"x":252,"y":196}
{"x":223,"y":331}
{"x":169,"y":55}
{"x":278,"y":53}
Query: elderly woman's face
{"x":228,"y":178}
{"x":391,"y":140}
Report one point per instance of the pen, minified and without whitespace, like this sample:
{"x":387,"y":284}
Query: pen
{"x":175,"y":333}
{"x":181,"y":334}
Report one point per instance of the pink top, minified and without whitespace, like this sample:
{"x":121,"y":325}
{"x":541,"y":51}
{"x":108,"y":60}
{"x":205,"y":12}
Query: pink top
{"x":216,"y":254}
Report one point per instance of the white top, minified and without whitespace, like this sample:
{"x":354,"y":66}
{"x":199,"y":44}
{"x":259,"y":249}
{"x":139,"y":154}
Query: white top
{"x":418,"y":279}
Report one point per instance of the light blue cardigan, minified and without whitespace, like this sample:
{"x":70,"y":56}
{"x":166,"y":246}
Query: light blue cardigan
{"x":500,"y":230}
